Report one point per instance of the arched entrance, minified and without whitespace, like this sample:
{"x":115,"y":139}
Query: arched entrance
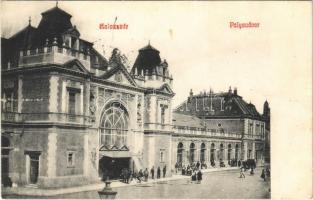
{"x":202,"y":153}
{"x":237,"y":152}
{"x":192,"y":153}
{"x":221,"y":154}
{"x":180,"y":150}
{"x":114,"y":151}
{"x":229,"y":149}
{"x":212,"y":154}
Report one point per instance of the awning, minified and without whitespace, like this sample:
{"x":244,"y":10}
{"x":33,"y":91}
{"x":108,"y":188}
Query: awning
{"x":115,"y":154}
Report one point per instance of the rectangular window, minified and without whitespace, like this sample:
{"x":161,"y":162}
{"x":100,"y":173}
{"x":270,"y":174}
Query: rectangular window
{"x":8,"y":101}
{"x":162,"y":115}
{"x":70,"y":159}
{"x":162,"y":155}
{"x":71,"y":102}
{"x":250,"y":131}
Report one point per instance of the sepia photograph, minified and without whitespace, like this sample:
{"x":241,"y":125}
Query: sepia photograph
{"x":145,"y":100}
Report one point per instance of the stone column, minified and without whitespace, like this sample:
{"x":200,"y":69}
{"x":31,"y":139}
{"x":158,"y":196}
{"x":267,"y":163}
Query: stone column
{"x":86,"y":103}
{"x":53,"y":99}
{"x":51,"y":154}
{"x":245,"y":150}
{"x":20,"y":94}
{"x":253,"y":150}
{"x":86,"y":155}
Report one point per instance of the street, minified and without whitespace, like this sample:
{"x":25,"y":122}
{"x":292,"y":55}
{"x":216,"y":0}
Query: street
{"x":215,"y":185}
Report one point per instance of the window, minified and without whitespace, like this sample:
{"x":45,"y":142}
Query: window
{"x":202,"y":153}
{"x":237,"y":152}
{"x":212,"y":153}
{"x":192,"y":153}
{"x":250,"y":131}
{"x":71,"y":102}
{"x":8,"y":101}
{"x":114,"y":125}
{"x":222,"y":104}
{"x":221,"y":156}
{"x":229,"y":152}
{"x":163,"y":109}
{"x":70,"y":159}
{"x":180,"y":149}
{"x":162,"y":155}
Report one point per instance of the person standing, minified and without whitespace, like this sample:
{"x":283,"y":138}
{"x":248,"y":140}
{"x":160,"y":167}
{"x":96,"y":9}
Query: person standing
{"x":164,"y":171}
{"x":146,"y":174}
{"x":263,"y":175}
{"x":242,"y":175}
{"x":158,"y":173}
{"x":198,"y":165}
{"x":152,"y":172}
{"x":199,"y":176}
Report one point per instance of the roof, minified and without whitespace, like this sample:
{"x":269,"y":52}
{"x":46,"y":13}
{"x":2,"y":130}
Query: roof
{"x":218,"y":105}
{"x":55,"y":10}
{"x":148,"y":47}
{"x":147,"y":61}
{"x":186,"y":120}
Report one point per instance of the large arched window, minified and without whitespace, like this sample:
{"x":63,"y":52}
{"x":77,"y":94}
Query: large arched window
{"x":192,"y":152}
{"x":180,"y":149}
{"x":114,"y":125}
{"x":202,"y":153}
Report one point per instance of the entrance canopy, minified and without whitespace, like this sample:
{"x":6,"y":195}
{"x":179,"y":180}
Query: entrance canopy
{"x":115,"y":154}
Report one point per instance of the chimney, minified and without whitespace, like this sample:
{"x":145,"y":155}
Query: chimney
{"x":191,"y":93}
{"x":229,"y":91}
{"x":235,"y":91}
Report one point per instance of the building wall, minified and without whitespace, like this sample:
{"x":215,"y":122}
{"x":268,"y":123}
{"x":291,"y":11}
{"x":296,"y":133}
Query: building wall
{"x":154,"y":145}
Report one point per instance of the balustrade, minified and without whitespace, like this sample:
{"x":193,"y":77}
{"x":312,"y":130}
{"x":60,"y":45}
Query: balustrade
{"x":45,"y":117}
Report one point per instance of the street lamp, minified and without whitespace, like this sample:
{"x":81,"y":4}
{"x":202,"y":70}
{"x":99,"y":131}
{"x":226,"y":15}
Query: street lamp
{"x":107,"y":192}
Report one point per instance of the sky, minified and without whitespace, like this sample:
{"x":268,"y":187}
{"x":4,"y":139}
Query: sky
{"x":194,"y":38}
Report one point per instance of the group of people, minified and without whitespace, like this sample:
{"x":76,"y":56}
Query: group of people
{"x":142,"y":175}
{"x":266,"y":174}
{"x":196,"y":176}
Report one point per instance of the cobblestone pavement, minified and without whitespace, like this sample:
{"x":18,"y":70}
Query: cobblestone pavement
{"x":215,"y":185}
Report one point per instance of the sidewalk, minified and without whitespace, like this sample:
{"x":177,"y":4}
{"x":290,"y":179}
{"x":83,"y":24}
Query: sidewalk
{"x":31,"y":191}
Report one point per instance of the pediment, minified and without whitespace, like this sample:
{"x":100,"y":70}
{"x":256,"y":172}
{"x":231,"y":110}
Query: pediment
{"x":119,"y":75}
{"x":75,"y":65}
{"x":166,"y":89}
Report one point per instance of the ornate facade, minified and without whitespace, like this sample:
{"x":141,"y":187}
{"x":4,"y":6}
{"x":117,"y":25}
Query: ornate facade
{"x":212,"y":127}
{"x":69,"y":115}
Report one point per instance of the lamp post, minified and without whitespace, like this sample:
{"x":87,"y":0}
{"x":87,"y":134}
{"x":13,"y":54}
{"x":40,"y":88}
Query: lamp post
{"x":107,"y":192}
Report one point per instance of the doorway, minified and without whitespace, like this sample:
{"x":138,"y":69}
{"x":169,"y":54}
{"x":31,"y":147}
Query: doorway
{"x":112,"y":167}
{"x":33,"y":168}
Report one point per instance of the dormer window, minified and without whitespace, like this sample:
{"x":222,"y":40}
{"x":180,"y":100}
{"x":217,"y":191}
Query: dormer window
{"x":222,"y":104}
